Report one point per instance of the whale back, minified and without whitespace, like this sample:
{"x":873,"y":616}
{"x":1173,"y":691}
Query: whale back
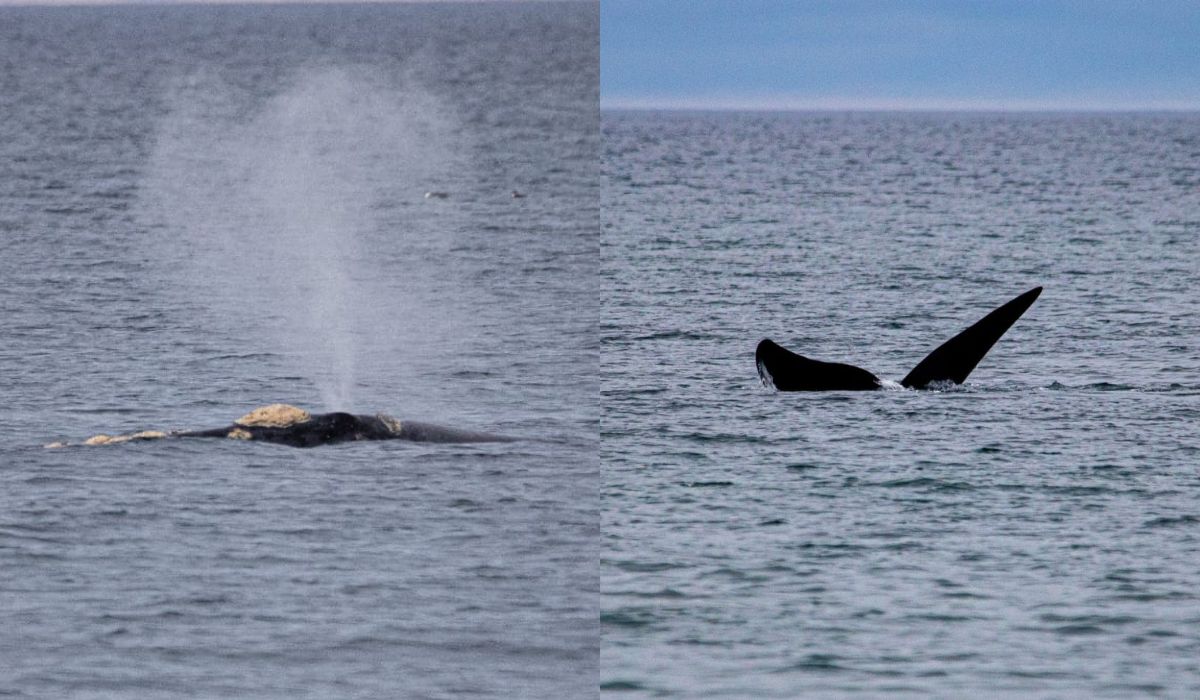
{"x":287,"y":425}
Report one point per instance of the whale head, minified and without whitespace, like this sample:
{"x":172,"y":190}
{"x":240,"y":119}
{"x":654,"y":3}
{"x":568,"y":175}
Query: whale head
{"x":277,"y":415}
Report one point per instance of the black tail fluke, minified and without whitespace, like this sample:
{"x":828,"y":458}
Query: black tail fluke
{"x":955,"y":358}
{"x":787,"y":371}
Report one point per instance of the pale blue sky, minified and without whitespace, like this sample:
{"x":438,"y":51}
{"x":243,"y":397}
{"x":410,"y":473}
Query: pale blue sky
{"x":939,"y":54}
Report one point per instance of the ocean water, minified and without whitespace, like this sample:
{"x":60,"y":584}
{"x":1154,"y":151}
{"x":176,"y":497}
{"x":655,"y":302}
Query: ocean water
{"x":208,"y":209}
{"x":1032,"y":533}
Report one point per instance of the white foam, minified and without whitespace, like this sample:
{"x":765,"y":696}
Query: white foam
{"x":767,"y":380}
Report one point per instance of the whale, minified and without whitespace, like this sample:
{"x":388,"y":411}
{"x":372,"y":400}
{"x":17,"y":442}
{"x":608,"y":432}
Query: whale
{"x":285,"y":424}
{"x":950,"y":363}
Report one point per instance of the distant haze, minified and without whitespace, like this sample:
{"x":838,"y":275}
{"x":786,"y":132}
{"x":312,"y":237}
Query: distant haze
{"x":216,"y":2}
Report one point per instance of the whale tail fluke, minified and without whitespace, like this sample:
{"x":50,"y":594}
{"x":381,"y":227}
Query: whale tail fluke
{"x":784,"y":370}
{"x":954,"y":359}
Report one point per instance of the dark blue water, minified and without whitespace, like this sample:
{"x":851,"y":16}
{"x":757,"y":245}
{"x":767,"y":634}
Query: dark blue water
{"x":203,"y":210}
{"x":1033,"y":533}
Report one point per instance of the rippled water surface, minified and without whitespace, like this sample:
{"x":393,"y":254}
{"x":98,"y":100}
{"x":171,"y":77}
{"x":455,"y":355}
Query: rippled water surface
{"x":207,"y":209}
{"x":1035,"y":532}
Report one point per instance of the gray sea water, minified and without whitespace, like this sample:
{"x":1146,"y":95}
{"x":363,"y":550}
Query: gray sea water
{"x":207,"y":209}
{"x":1032,"y":533}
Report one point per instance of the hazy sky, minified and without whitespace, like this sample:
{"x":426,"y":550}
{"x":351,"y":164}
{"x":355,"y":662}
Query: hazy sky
{"x":989,"y":54}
